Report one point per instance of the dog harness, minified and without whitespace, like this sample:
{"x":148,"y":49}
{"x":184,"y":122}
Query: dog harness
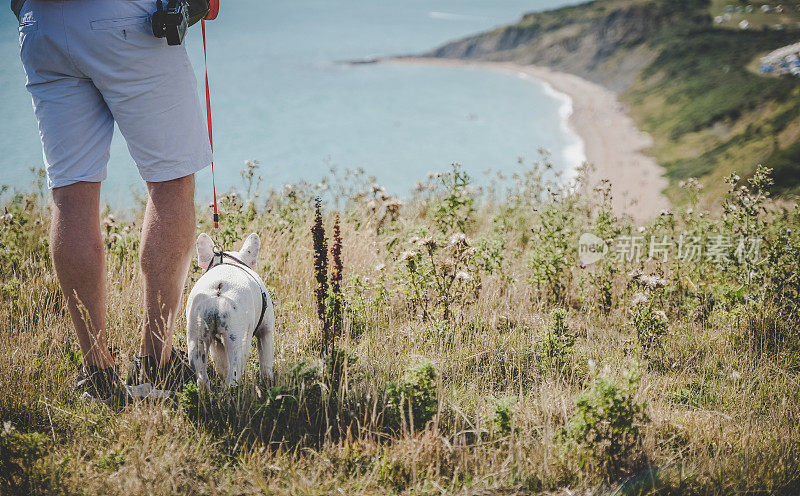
{"x":219,"y":259}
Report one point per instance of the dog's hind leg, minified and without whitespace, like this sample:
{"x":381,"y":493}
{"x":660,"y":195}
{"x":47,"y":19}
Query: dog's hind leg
{"x":198,"y":333}
{"x":266,"y":344}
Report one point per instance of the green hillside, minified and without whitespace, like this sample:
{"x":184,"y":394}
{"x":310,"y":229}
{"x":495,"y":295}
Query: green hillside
{"x":687,"y":82}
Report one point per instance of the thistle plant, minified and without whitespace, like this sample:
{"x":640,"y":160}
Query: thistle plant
{"x":443,"y":272}
{"x":650,"y":322}
{"x":555,"y":350}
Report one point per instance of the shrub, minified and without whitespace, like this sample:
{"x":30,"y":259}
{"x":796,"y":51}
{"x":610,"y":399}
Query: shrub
{"x":555,"y":351}
{"x":454,"y":210}
{"x":651,"y":327}
{"x":22,"y":470}
{"x":413,"y":400}
{"x":503,"y":416}
{"x":553,"y":252}
{"x":607,"y":426}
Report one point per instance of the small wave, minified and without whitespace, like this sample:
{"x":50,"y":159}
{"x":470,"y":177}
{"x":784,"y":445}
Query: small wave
{"x":449,"y":16}
{"x":574,"y":154}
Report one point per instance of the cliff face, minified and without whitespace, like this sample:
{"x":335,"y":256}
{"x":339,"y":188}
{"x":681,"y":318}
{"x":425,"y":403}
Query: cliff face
{"x":586,"y":40}
{"x":685,"y":81}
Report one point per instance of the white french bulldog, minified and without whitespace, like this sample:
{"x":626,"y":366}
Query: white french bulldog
{"x":228,"y":306}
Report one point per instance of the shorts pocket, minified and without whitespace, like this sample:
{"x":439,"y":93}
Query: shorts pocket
{"x":27,"y":27}
{"x":122,"y":22}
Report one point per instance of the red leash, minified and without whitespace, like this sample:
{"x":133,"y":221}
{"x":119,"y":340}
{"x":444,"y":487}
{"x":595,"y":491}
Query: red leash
{"x":208,"y":112}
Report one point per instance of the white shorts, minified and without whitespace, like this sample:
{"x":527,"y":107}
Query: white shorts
{"x":91,"y":63}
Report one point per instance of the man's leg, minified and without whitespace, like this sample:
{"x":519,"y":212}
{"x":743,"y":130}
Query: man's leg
{"x":167,"y":240}
{"x":78,"y":256}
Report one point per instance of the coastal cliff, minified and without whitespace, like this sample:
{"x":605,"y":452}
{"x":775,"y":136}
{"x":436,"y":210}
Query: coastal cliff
{"x":685,"y":81}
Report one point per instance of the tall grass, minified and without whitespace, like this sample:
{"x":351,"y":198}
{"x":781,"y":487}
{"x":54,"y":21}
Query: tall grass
{"x":476,"y":352}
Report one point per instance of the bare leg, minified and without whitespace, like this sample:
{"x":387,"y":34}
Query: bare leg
{"x":79,"y":260}
{"x":167,"y":240}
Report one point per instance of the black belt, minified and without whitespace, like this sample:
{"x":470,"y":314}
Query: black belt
{"x":221,"y":256}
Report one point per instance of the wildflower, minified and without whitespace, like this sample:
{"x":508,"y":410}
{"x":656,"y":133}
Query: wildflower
{"x":114,"y":237}
{"x":428,"y":242}
{"x":653,"y":281}
{"x":407,"y":255}
{"x":660,"y":314}
{"x":463,"y":276}
{"x":639,"y":299}
{"x":459,"y":239}
{"x":413,"y":239}
{"x":393,"y":207}
{"x":380,"y":267}
{"x":378,"y":189}
{"x":448,"y":265}
{"x":320,"y":269}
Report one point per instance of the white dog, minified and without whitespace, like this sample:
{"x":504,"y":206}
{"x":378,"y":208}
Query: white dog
{"x":227,"y":307}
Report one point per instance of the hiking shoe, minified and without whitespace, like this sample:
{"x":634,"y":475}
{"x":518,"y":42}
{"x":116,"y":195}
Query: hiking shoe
{"x":103,"y":385}
{"x":176,"y":374}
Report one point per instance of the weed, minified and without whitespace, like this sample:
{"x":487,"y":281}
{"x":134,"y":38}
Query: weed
{"x":412,"y":401}
{"x":22,"y":469}
{"x":503,"y":416}
{"x":607,"y":426}
{"x":555,"y":350}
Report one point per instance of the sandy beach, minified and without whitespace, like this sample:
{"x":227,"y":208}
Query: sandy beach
{"x":612,"y":143}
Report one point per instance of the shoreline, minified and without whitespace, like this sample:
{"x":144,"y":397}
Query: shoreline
{"x":609,"y":139}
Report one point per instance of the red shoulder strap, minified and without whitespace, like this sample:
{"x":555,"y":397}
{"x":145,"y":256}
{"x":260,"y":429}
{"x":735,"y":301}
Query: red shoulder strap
{"x":213,"y":10}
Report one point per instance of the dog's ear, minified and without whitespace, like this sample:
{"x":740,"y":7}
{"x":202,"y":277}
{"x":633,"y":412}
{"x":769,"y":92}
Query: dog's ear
{"x":205,"y":250}
{"x":249,"y":250}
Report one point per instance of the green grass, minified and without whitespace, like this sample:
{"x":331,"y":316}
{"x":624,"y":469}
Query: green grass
{"x":702,"y":81}
{"x":463,"y":366}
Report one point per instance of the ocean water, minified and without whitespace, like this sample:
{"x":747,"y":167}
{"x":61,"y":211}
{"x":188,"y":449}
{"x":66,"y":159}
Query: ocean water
{"x":282,"y":96}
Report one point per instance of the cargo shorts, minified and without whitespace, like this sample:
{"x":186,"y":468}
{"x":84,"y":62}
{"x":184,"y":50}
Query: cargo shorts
{"x":91,"y":63}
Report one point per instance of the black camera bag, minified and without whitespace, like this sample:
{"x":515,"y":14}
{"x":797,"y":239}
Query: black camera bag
{"x":198,"y":9}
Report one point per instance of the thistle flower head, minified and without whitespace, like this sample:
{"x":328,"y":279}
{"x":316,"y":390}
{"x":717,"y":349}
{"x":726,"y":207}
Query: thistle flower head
{"x":639,"y":299}
{"x":428,"y":242}
{"x":407,"y":255}
{"x":459,"y":239}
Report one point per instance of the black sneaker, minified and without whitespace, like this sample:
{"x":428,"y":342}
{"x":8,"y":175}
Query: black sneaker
{"x":173,"y":377}
{"x":103,"y":385}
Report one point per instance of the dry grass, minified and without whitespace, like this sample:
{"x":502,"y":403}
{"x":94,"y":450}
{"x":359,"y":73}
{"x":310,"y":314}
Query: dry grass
{"x":721,"y":392}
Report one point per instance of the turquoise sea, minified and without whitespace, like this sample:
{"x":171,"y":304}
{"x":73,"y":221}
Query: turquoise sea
{"x":281,"y":96}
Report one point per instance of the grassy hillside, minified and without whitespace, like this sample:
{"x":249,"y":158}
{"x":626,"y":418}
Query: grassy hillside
{"x":687,"y":82}
{"x":473,"y":351}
